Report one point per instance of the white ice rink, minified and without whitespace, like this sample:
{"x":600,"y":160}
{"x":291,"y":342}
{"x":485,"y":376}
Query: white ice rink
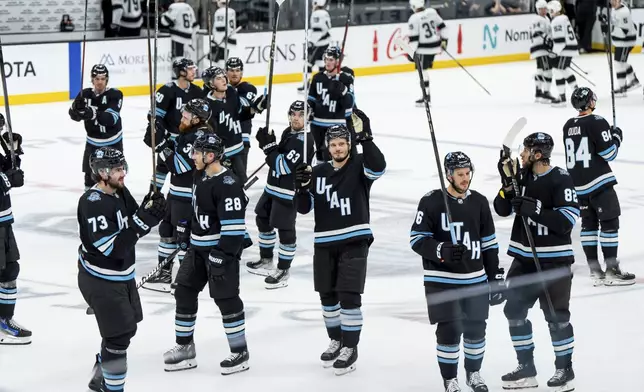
{"x":285,"y":330}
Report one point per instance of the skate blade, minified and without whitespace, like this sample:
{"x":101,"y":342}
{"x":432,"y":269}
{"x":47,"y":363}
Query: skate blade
{"x":259,"y":271}
{"x":567,"y":387}
{"x":158,"y":287}
{"x":559,"y":105}
{"x":598,"y":282}
{"x":242,"y":367}
{"x":618,"y":282}
{"x":10,"y":340}
{"x":186,"y":364}
{"x":277,"y":285}
{"x":529,"y":382}
{"x":327,"y":364}
{"x":633,"y":87}
{"x":343,"y":371}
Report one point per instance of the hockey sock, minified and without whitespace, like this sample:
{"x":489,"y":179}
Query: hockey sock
{"x":474,"y":345}
{"x":448,"y":360}
{"x":521,"y":334}
{"x":426,"y":77}
{"x":547,"y":81}
{"x":609,"y":241}
{"x":159,"y":179}
{"x":621,"y":69}
{"x":267,"y":242}
{"x":235,"y":327}
{"x":538,"y":80}
{"x":114,"y":367}
{"x":165,"y":249}
{"x":186,"y":313}
{"x":331,"y":314}
{"x":184,"y":327}
{"x":563,"y":341}
{"x":589,"y":243}
{"x":570,"y":78}
{"x":285,"y":256}
{"x":8,"y":295}
{"x":351,"y":325}
{"x":560,"y":80}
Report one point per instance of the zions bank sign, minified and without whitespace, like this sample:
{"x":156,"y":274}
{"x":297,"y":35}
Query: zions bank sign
{"x":491,"y":33}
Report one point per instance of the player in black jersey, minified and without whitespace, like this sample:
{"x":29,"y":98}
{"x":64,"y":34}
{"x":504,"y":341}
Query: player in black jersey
{"x":276,"y":209}
{"x":177,"y":156}
{"x":228,"y":111}
{"x":591,"y":143}
{"x":10,"y":177}
{"x":170,"y":100}
{"x":100,"y":109}
{"x":338,"y":192}
{"x":469,"y":263}
{"x":548,"y":202}
{"x":247,"y":94}
{"x":110,"y":224}
{"x":216,"y":238}
{"x":331,"y":98}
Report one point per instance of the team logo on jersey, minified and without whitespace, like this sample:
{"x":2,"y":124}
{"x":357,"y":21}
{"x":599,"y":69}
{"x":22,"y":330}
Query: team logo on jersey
{"x":228,"y":180}
{"x":95,"y":196}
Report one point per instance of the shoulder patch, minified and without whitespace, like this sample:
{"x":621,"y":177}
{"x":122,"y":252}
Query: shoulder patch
{"x":563,"y":172}
{"x":169,"y":84}
{"x":94,"y":196}
{"x":300,"y":136}
{"x":429,"y":193}
{"x":228,"y":180}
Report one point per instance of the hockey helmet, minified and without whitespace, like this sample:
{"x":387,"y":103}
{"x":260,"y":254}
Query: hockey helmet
{"x":100,"y":70}
{"x":539,"y":142}
{"x":207,"y":141}
{"x":332,"y":52}
{"x":457,"y":160}
{"x":338,"y":131}
{"x":212,"y":73}
{"x":540,"y":4}
{"x":182,"y":65}
{"x":583,"y":99}
{"x":234,"y":63}
{"x":199,"y":108}
{"x":106,"y":158}
{"x":554,"y":7}
{"x":319,"y":3}
{"x":416,"y":4}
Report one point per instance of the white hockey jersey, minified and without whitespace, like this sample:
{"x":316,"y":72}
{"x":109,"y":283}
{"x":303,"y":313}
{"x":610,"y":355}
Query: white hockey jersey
{"x":320,"y":28}
{"x":219,"y":27}
{"x":540,"y":33}
{"x":624,"y":31}
{"x":426,"y":30}
{"x":563,"y":37}
{"x":127,"y":13}
{"x":180,"y":19}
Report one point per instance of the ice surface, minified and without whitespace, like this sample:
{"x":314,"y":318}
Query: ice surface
{"x":285,"y":330}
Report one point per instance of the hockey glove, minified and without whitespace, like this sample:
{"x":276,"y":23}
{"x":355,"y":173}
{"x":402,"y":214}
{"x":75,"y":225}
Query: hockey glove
{"x":616,"y":132}
{"x":504,"y":166}
{"x":260,"y":103}
{"x":152,"y":210}
{"x":450,"y":253}
{"x":266,"y":140}
{"x":87,"y":114}
{"x":165,"y":144}
{"x":497,"y":287}
{"x":12,"y":178}
{"x":2,"y":122}
{"x":159,"y":134}
{"x":337,"y":89}
{"x":526,"y":206}
{"x":183,"y":235}
{"x":361,"y":125}
{"x":79,"y":104}
{"x":444,"y":44}
{"x":217,"y":261}
{"x":17,"y":142}
{"x":303,"y":173}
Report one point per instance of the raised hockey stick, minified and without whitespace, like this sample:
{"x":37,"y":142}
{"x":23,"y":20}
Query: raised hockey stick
{"x":609,"y":49}
{"x":5,"y":94}
{"x":209,"y":17}
{"x":507,"y":152}
{"x":268,"y":88}
{"x":226,"y":34}
{"x":306,"y":78}
{"x":144,"y":279}
{"x":410,"y":52}
{"x":344,"y":37}
{"x":83,"y":54}
{"x":153,"y":101}
{"x":466,"y":71}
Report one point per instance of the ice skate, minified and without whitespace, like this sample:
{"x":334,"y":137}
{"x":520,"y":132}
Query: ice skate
{"x":547,"y":97}
{"x":451,"y":385}
{"x":346,"y":361}
{"x":181,"y":357}
{"x":597,"y":277}
{"x":12,"y":333}
{"x":616,"y":277}
{"x":620,"y":92}
{"x":562,"y":380}
{"x":633,"y":85}
{"x":278,"y":279}
{"x":524,"y":376}
{"x":331,"y":354}
{"x":161,"y":281}
{"x":261,"y":267}
{"x":235,"y":363}
{"x":476,"y":382}
{"x":96,"y":383}
{"x":559,"y":102}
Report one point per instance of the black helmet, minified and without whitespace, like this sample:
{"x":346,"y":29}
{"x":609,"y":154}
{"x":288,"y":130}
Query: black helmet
{"x":209,"y":142}
{"x":333,"y":52}
{"x":211,"y":73}
{"x":106,"y":158}
{"x":456,"y":160}
{"x":337,"y":132}
{"x":582,"y":98}
{"x":539,"y":142}
{"x":181,"y":65}
{"x":198,"y":107}
{"x":234,"y":63}
{"x":100,"y":69}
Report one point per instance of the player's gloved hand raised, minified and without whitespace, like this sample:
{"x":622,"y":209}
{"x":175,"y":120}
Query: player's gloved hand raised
{"x":266,"y":139}
{"x":260,"y":103}
{"x":361,"y":126}
{"x":526,"y":206}
{"x":17,"y":142}
{"x":497,"y":287}
{"x":79,"y":104}
{"x":504,"y":166}
{"x":447,"y":252}
{"x":217,"y":261}
{"x":150,"y":212}
{"x":88,"y":114}
{"x":617,"y":135}
{"x":183,"y":235}
{"x":165,"y":144}
{"x":337,"y":89}
{"x":303,"y":174}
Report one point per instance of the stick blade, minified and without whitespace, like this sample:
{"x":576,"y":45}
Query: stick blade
{"x":404,"y":45}
{"x":512,"y":134}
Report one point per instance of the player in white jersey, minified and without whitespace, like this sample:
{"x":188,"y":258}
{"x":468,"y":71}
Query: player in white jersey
{"x":427,"y":35}
{"x":219,"y":33}
{"x":180,"y":19}
{"x":319,"y":37}
{"x":540,"y":50}
{"x":624,"y":35}
{"x":565,"y":47}
{"x":127,"y":18}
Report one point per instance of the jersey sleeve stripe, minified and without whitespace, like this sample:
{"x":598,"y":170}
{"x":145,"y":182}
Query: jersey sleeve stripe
{"x":372,"y":175}
{"x":160,"y":112}
{"x":415,"y":236}
{"x":114,"y":114}
{"x":609,"y":154}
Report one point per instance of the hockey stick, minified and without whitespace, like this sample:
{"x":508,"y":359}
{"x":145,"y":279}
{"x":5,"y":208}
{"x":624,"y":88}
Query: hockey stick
{"x":306,"y":76}
{"x":209,"y":17}
{"x":226,"y":34}
{"x":346,"y":32}
{"x":609,"y":49}
{"x":582,"y":76}
{"x":237,"y":30}
{"x":144,"y":279}
{"x":410,"y":52}
{"x":5,"y":94}
{"x":578,"y":67}
{"x":466,"y":71}
{"x":153,"y":101}
{"x":507,"y":152}
{"x":83,"y":55}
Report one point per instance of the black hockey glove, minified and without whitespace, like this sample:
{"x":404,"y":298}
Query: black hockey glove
{"x":260,"y":103}
{"x":165,"y":144}
{"x":450,"y":253}
{"x":217,"y":261}
{"x":266,"y":140}
{"x":504,"y":169}
{"x":361,"y":125}
{"x":79,"y":104}
{"x":2,"y":122}
{"x":226,"y":162}
{"x":159,"y":135}
{"x":497,"y":287}
{"x":12,"y":178}
{"x":617,"y":134}
{"x":526,"y":206}
{"x":17,"y":142}
{"x":87,"y":114}
{"x":337,"y":89}
{"x":151,"y":211}
{"x":183,"y":235}
{"x":303,"y":173}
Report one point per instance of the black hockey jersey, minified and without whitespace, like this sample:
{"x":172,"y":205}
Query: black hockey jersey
{"x":589,"y":147}
{"x":107,"y":235}
{"x":105,"y":129}
{"x":282,"y":162}
{"x":341,"y":197}
{"x":326,"y":111}
{"x":219,"y":205}
{"x":227,"y":115}
{"x":247,"y":93}
{"x":6,"y":214}
{"x":170,"y":100}
{"x":473,"y":227}
{"x":551,"y":229}
{"x":179,"y":162}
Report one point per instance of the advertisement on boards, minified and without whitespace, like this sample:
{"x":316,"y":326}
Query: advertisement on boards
{"x":34,"y":69}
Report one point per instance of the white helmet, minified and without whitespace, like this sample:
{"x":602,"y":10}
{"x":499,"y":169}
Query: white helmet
{"x":554,"y":7}
{"x":540,"y":4}
{"x":416,"y":4}
{"x":319,"y":3}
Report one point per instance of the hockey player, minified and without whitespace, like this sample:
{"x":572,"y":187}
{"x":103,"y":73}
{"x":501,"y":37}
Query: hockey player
{"x":319,"y":38}
{"x":624,"y":37}
{"x":180,"y":19}
{"x":428,"y":36}
{"x":100,"y":109}
{"x":228,"y":110}
{"x":338,"y":192}
{"x":170,"y":100}
{"x":540,"y":51}
{"x":276,"y":207}
{"x":472,"y":260}
{"x":591,"y":143}
{"x":110,"y":224}
{"x":331,"y":98}
{"x":127,"y":18}
{"x":10,"y":177}
{"x":565,"y":47}
{"x":220,"y":34}
{"x":178,"y":159}
{"x":218,"y":228}
{"x":247,"y":94}
{"x":548,"y":202}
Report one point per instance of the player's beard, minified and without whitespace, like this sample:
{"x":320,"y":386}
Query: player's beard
{"x":115,"y":184}
{"x":183,"y":126}
{"x":342,"y":158}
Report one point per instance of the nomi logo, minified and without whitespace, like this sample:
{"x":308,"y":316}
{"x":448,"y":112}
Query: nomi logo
{"x":489,"y":36}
